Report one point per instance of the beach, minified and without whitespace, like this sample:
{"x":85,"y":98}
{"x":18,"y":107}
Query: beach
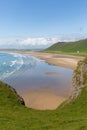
{"x":43,"y":100}
{"x":67,"y":61}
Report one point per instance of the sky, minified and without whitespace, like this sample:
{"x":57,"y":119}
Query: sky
{"x":40,"y":23}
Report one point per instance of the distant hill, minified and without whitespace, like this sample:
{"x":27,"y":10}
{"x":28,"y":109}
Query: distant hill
{"x":70,"y":47}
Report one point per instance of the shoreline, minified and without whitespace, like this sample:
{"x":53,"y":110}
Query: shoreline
{"x":63,"y":60}
{"x":47,"y":100}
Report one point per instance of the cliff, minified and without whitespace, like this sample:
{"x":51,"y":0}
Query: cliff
{"x":79,"y":80}
{"x":10,"y":94}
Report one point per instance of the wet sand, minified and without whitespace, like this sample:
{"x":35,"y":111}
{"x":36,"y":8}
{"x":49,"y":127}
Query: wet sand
{"x":45,"y":100}
{"x":67,"y":61}
{"x":42,"y":100}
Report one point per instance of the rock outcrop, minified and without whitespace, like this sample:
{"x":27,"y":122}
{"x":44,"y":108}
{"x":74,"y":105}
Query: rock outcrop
{"x":79,"y":79}
{"x":20,"y":99}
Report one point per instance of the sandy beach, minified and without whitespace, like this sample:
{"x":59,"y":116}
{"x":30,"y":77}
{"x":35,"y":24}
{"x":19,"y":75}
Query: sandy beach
{"x":67,"y":61}
{"x":45,"y":100}
{"x":42,"y":100}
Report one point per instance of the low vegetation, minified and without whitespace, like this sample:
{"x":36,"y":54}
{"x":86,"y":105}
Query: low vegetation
{"x":75,"y":48}
{"x":14,"y":116}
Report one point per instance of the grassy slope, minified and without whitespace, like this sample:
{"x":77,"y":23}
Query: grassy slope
{"x":70,"y":47}
{"x":14,"y":116}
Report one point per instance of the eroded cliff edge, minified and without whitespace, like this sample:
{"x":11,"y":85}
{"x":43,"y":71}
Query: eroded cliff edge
{"x":79,"y":80}
{"x":6,"y":91}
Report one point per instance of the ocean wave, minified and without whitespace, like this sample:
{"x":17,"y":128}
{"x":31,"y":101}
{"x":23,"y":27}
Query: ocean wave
{"x":16,"y":55}
{"x":6,"y":74}
{"x":13,"y":63}
{"x":9,"y":64}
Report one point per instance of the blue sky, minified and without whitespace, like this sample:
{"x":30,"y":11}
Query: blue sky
{"x":42,"y":19}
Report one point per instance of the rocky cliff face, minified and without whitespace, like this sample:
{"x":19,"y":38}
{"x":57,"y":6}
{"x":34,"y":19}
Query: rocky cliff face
{"x":20,"y":99}
{"x":79,"y":79}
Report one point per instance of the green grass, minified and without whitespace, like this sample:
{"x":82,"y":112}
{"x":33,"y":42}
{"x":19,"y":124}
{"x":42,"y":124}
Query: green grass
{"x":74,"y":48}
{"x":14,"y":116}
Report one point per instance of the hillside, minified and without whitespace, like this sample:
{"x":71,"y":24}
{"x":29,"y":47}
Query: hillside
{"x":71,"y":115}
{"x":69,"y":47}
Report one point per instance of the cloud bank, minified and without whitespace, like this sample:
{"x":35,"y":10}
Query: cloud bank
{"x":37,"y":42}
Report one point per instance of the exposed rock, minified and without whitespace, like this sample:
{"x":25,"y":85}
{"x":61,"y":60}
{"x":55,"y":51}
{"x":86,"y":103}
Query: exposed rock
{"x":79,"y":79}
{"x":20,"y":99}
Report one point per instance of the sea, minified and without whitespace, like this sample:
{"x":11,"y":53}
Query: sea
{"x":24,"y":72}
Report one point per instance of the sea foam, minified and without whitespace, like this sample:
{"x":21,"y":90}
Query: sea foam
{"x":10,"y":63}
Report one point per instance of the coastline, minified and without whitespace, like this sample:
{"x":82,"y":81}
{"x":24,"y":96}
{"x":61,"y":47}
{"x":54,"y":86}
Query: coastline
{"x":63,"y":60}
{"x":46,"y":100}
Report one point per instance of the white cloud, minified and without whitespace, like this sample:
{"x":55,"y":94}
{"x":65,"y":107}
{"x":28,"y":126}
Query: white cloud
{"x":20,"y":43}
{"x":37,"y":42}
